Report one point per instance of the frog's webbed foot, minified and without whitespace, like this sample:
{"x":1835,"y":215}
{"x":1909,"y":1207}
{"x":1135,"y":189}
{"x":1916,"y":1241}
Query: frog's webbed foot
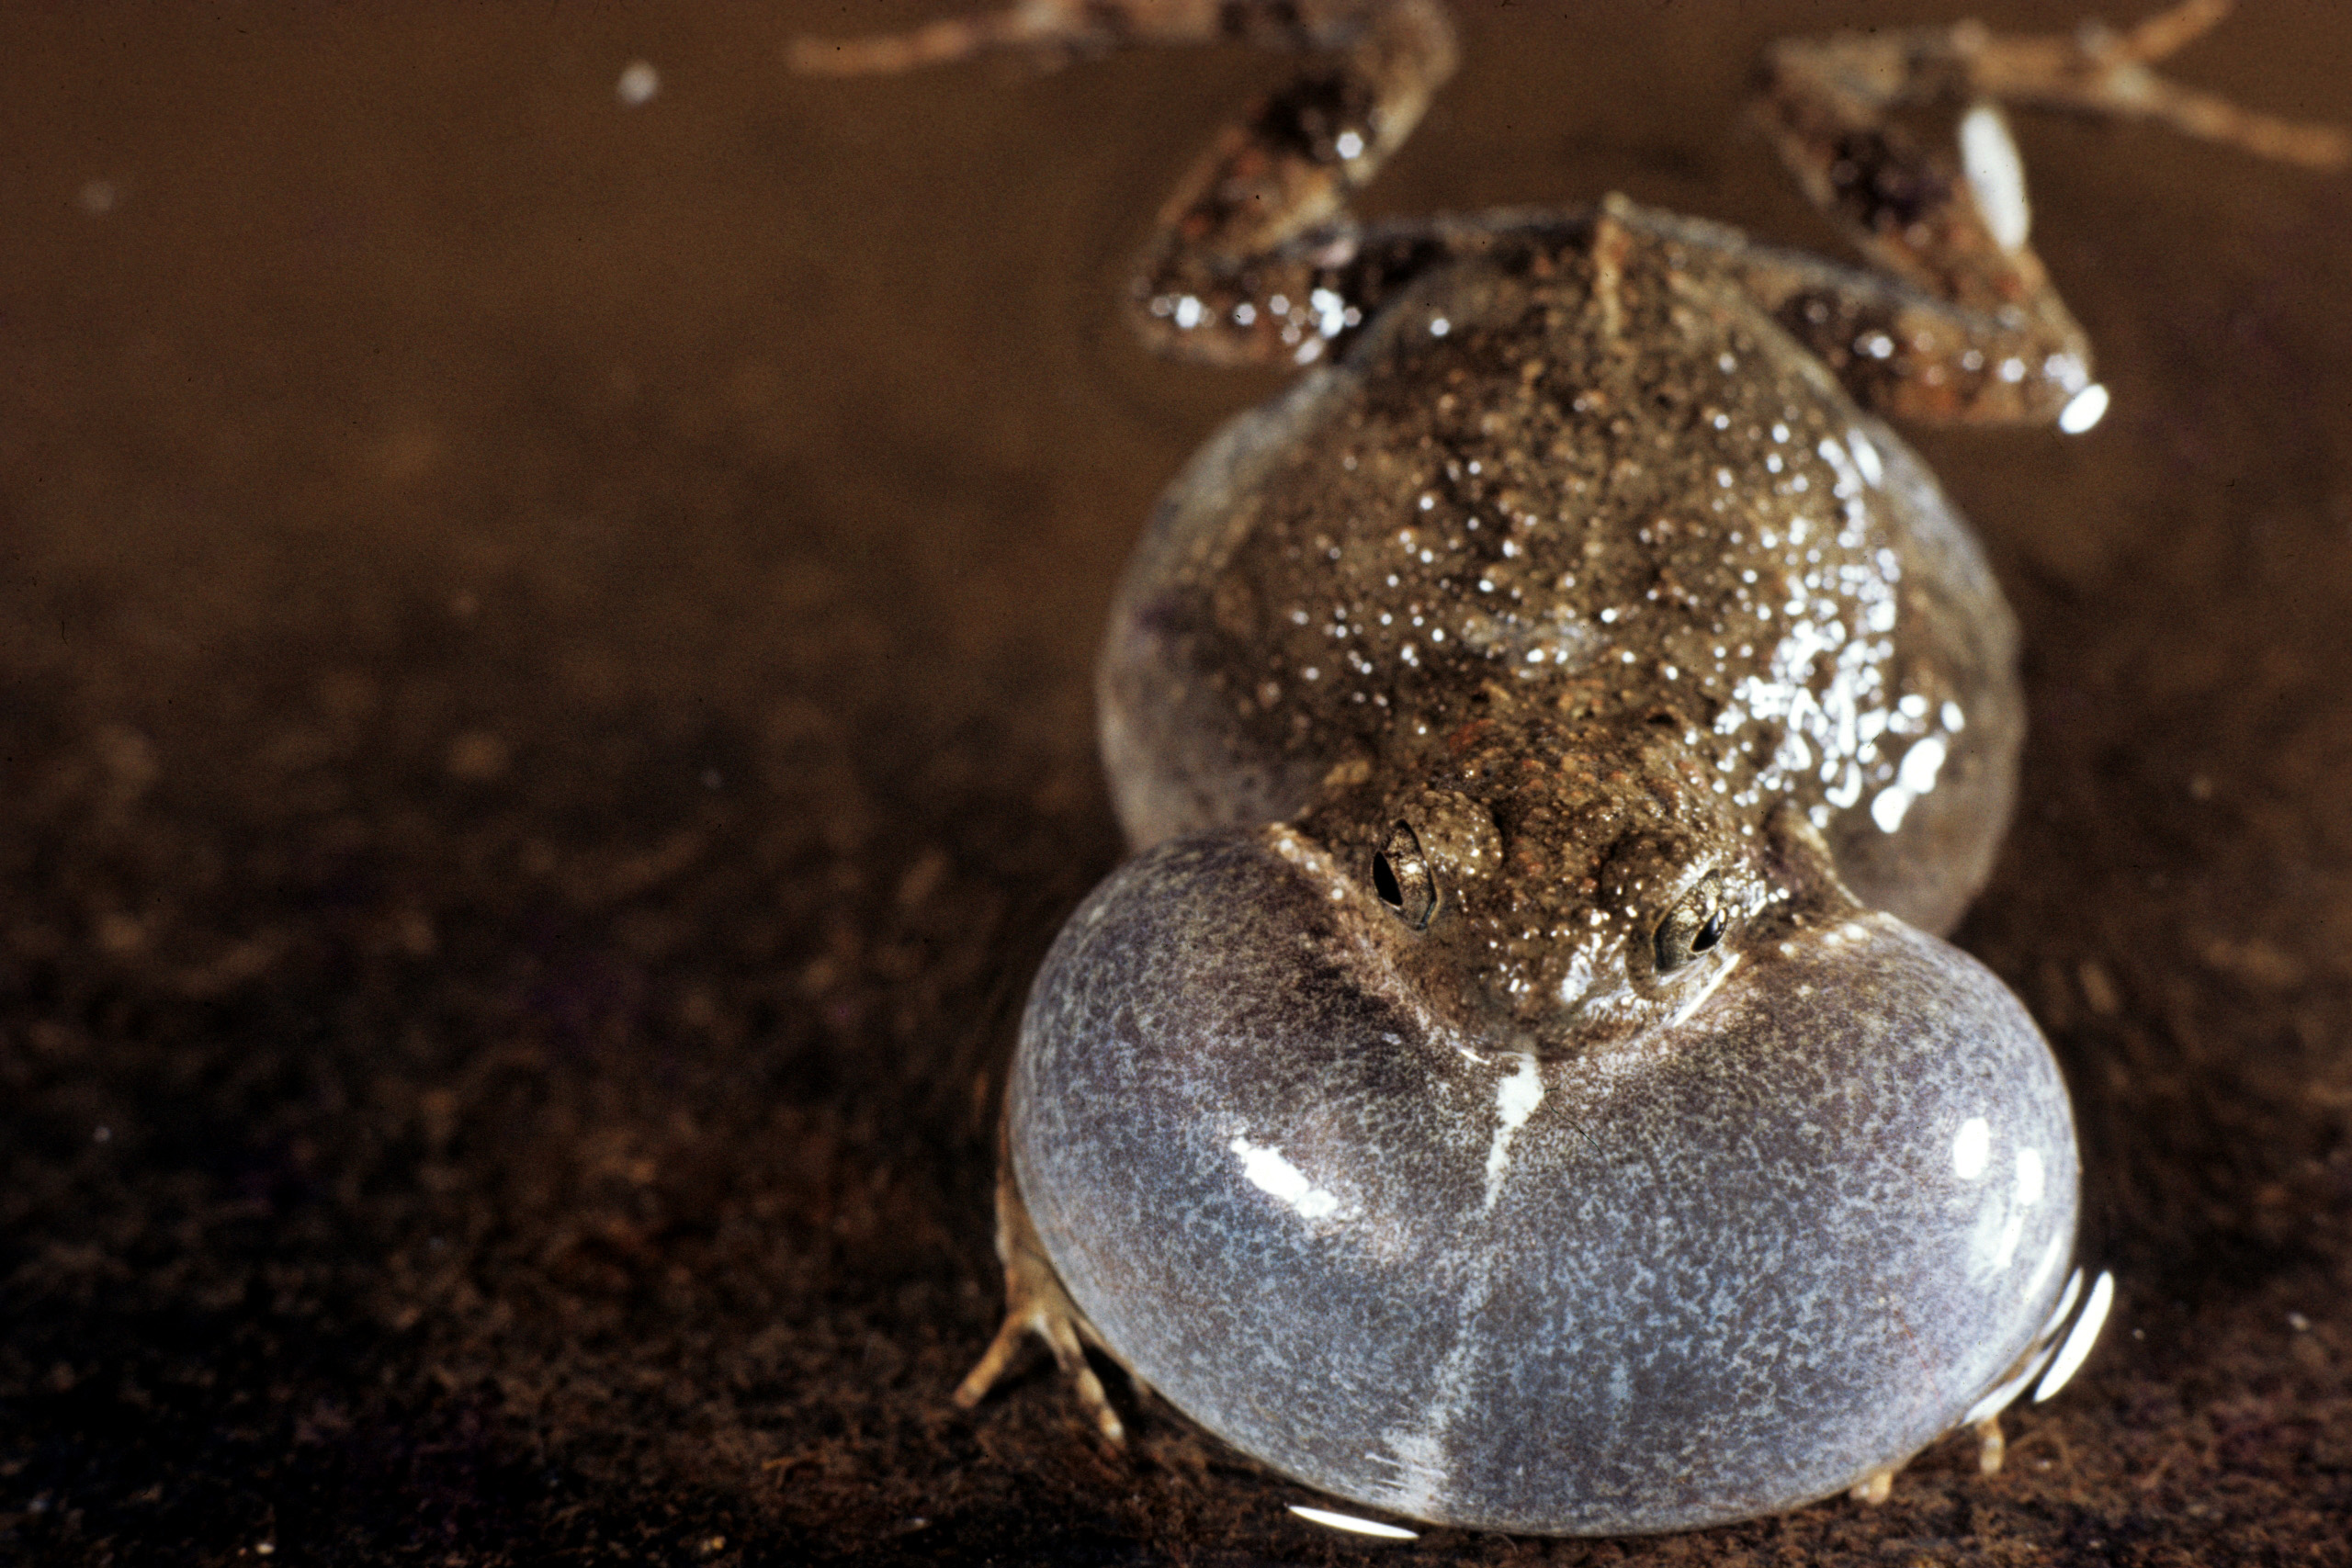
{"x":2098,"y":71}
{"x":1035,"y":1302}
{"x":1968,"y":327}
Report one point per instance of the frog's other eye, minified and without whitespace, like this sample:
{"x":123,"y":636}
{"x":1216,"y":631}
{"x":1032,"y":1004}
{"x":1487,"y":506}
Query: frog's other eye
{"x":1400,"y":875}
{"x":1691,"y":927}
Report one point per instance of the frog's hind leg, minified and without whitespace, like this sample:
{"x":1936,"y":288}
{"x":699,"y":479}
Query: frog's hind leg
{"x":1974,"y":330}
{"x":1036,"y":1302}
{"x":1254,"y":259}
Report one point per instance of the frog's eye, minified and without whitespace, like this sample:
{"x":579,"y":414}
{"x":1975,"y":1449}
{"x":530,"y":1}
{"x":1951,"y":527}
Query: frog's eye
{"x":1400,"y":875}
{"x":1692,"y":926}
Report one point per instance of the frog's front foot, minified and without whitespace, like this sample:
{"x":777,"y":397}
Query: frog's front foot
{"x":1035,"y":1302}
{"x":1992,"y":1447}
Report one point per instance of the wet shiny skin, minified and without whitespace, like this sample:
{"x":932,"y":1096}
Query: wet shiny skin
{"x":1547,"y":734}
{"x":1720,"y":1269}
{"x":1494,"y":1221}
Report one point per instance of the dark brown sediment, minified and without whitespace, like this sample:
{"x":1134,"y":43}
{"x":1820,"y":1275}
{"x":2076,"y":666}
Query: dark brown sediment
{"x":546,"y":724}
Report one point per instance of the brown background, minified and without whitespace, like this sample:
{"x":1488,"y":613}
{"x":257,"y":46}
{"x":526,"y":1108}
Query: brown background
{"x":544,"y":725}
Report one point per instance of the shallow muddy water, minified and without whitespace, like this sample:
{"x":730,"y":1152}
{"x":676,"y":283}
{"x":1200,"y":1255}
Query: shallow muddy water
{"x":545,"y":661}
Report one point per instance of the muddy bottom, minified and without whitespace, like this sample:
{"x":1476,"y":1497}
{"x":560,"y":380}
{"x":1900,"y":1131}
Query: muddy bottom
{"x":545,"y":724}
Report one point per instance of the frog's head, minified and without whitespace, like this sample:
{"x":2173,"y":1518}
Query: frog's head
{"x":1556,"y":889}
{"x":1734,"y":1166}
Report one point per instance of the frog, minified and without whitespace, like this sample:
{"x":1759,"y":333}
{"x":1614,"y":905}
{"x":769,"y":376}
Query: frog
{"x":1518,"y":1080}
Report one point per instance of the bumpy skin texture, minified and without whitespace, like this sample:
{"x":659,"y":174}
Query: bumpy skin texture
{"x":1476,"y":1209}
{"x":1561,"y":507}
{"x":1706,"y":1273}
{"x":1507,"y":1088}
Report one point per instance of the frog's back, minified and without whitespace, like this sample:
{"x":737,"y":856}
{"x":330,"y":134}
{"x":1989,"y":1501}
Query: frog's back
{"x":1592,"y":488}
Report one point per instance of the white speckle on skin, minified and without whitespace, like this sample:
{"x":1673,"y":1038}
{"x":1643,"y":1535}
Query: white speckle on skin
{"x":1268,"y":1172}
{"x":1915,"y":778}
{"x":1920,"y":766}
{"x":1889,"y":806}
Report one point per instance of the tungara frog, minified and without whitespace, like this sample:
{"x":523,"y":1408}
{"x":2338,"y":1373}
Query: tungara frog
{"x":1518,"y":1081}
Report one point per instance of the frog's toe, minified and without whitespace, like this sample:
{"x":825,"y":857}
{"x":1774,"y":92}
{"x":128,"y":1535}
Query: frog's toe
{"x":1036,"y":1302}
{"x":1992,"y":1447}
{"x":1047,"y":1313}
{"x":996,"y":1359}
{"x":1058,"y":1326}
